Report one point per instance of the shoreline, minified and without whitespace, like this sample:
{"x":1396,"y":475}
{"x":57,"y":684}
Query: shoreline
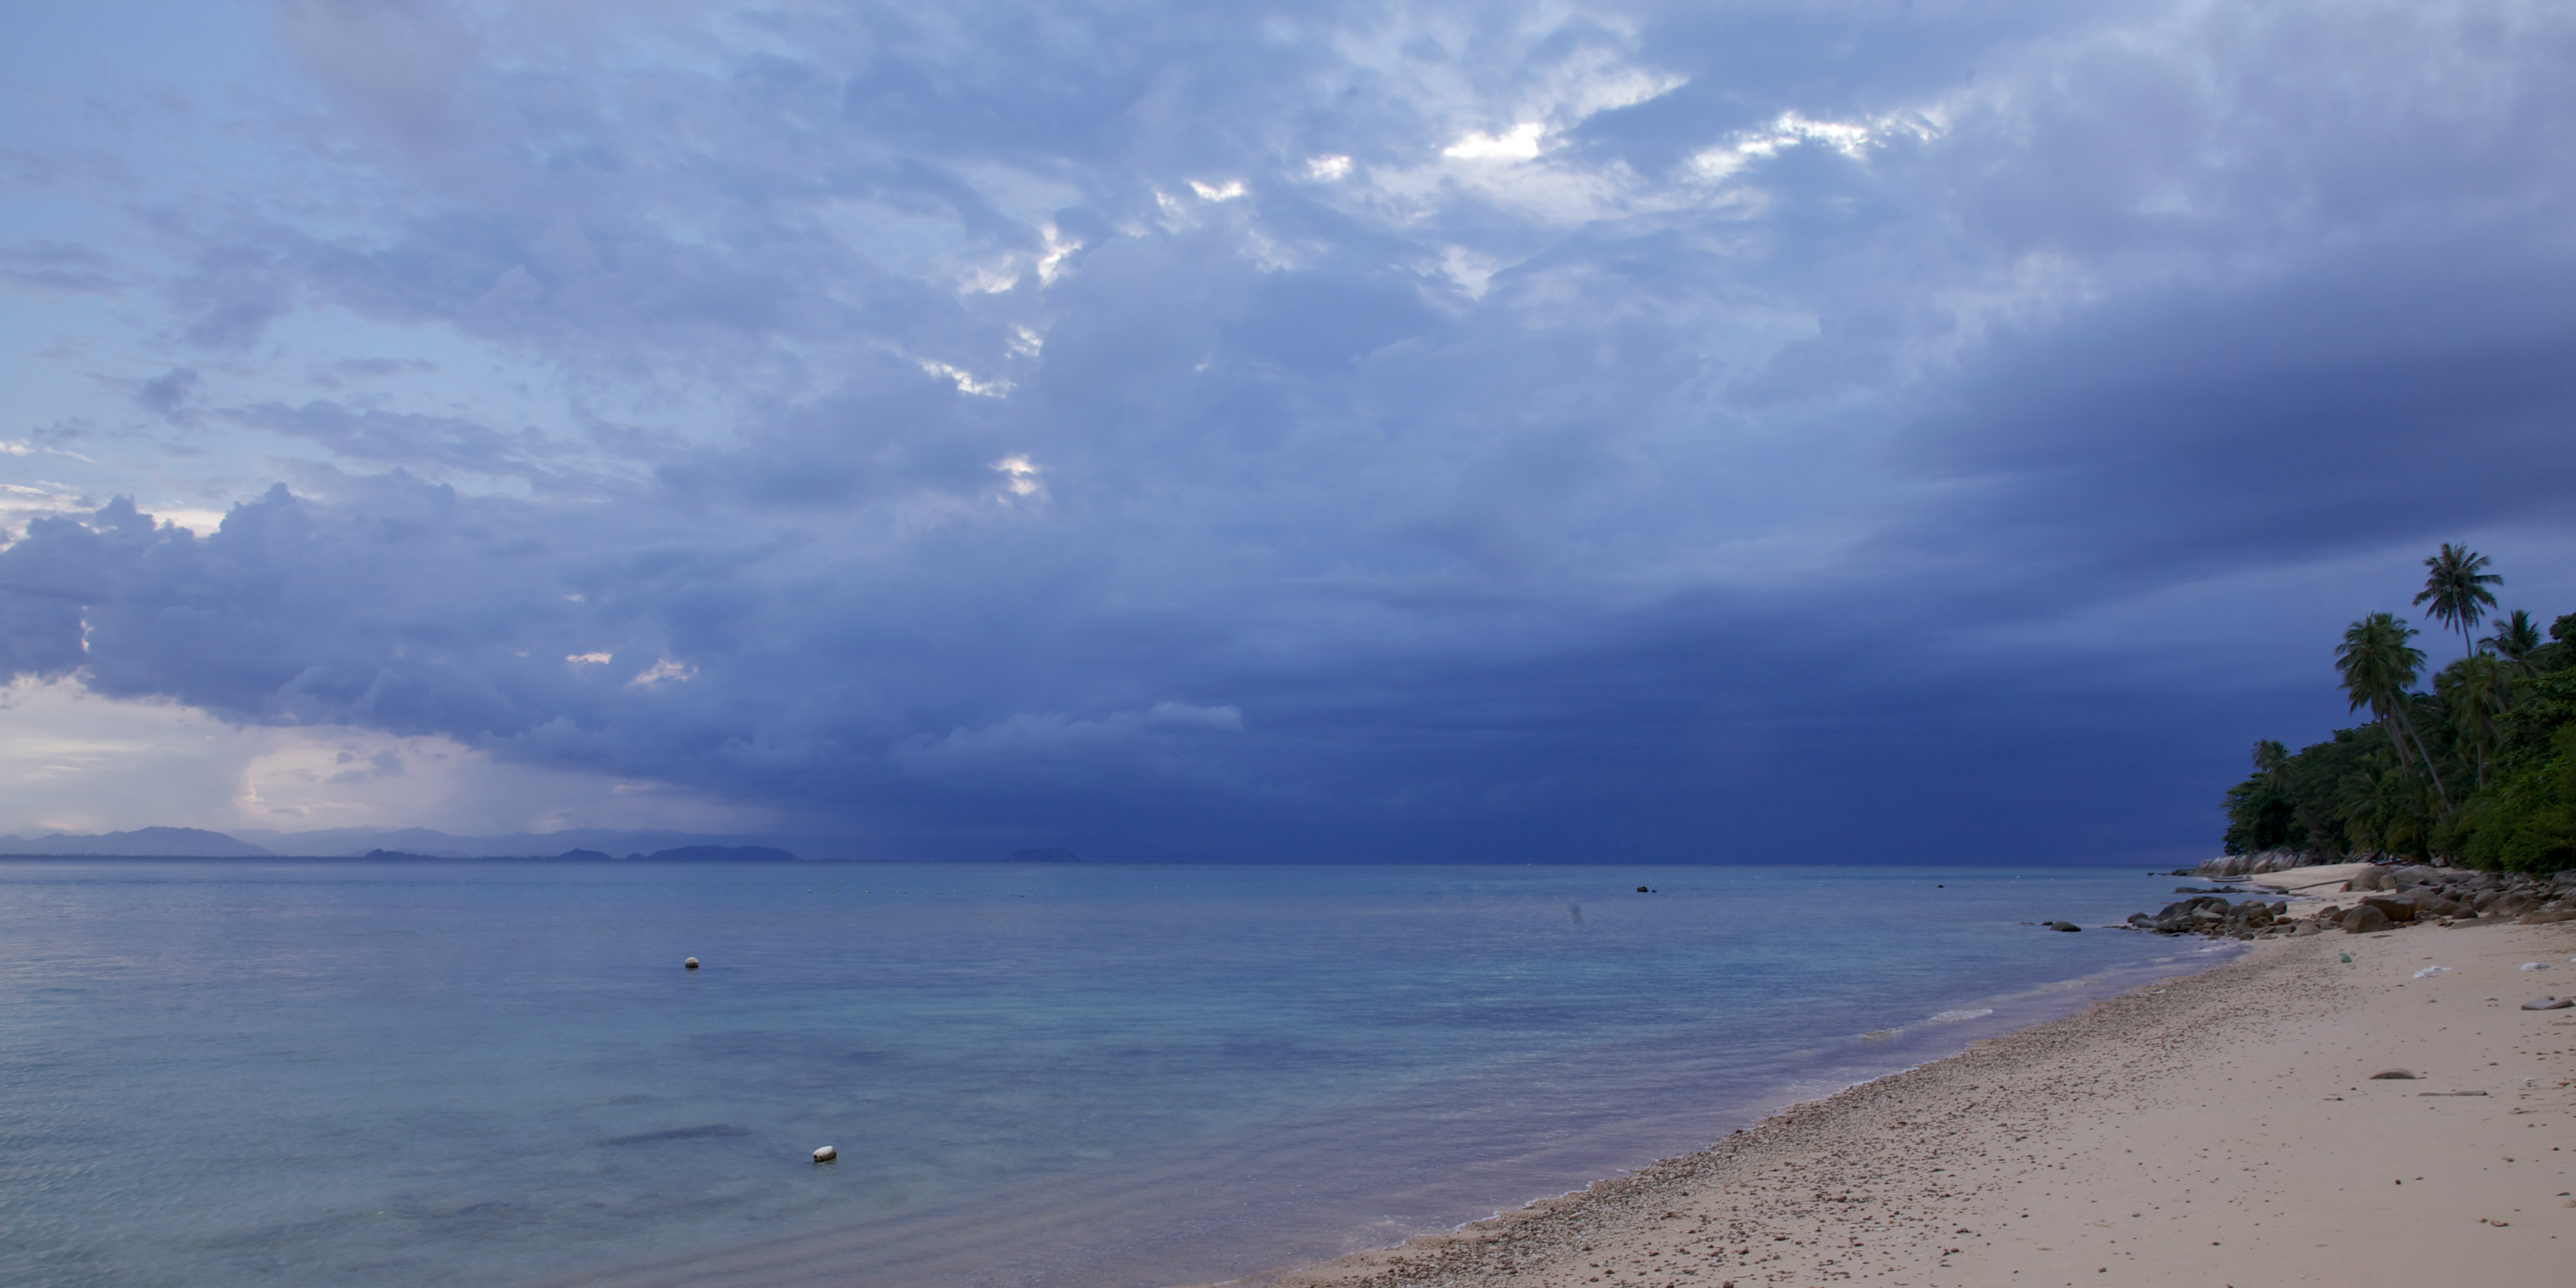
{"x":1248,"y":1205}
{"x":1058,"y":1233}
{"x":2223,"y":1121}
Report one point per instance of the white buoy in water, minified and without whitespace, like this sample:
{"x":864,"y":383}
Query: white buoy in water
{"x":826,"y":1154}
{"x":691,"y":964}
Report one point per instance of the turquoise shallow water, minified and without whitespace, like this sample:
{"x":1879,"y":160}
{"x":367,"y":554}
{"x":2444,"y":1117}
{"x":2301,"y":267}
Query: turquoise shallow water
{"x":329,"y":1072}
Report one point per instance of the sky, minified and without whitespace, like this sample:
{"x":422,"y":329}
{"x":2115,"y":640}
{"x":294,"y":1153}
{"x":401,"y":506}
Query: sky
{"x":1514,"y":432}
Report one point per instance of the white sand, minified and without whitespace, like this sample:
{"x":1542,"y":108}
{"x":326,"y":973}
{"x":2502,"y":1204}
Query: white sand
{"x":2214,"y":1131}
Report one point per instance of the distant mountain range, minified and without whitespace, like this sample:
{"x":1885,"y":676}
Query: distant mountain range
{"x":428,"y":843}
{"x":447,"y":845}
{"x":190,"y":842}
{"x":198,"y":843}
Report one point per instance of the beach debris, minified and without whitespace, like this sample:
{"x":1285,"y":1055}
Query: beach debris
{"x":2430,"y":971}
{"x":2347,"y":957}
{"x":2398,"y":1074}
{"x":826,"y":1154}
{"x":690,"y":964}
{"x":2548,"y":1004}
{"x":2535,"y":965}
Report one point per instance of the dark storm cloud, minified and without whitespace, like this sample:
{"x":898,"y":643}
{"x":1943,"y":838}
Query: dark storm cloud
{"x":1351,"y":433}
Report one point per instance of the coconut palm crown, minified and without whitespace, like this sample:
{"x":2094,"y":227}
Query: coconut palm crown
{"x":2514,"y":639}
{"x":2379,"y":669}
{"x":2457,"y":585}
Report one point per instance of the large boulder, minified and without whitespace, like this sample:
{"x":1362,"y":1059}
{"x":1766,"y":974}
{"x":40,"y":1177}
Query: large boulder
{"x":2366,"y":919}
{"x":2368,"y":879}
{"x":2511,"y":905}
{"x":2393,"y":909}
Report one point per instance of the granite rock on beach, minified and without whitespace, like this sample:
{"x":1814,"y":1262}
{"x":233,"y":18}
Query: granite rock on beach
{"x":2390,"y":898}
{"x":2220,"y":1128}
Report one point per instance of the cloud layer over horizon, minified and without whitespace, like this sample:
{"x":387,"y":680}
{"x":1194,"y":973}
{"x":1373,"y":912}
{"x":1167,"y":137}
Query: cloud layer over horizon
{"x":1524,"y":432}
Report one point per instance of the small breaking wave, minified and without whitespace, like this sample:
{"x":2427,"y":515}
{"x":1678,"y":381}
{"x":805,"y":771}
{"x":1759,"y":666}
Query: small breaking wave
{"x":1953,"y":1017}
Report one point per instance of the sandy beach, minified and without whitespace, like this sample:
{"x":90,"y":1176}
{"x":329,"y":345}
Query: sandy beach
{"x":2223,"y":1129}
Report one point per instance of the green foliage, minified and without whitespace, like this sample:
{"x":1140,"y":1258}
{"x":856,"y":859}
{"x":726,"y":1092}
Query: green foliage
{"x":2325,"y":801}
{"x":2526,"y":820}
{"x":2560,"y":652}
{"x":2476,"y":691}
{"x":2261,"y":815}
{"x":2516,"y":638}
{"x":2379,"y":667}
{"x":2499,"y":729}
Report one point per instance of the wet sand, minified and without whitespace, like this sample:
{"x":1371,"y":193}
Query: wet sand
{"x":2221,"y":1129}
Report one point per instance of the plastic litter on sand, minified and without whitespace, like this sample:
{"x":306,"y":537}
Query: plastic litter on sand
{"x":2430,"y":970}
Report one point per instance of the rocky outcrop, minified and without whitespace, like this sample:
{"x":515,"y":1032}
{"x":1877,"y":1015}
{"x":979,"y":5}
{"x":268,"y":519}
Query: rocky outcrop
{"x":2246,"y":865}
{"x":2392,"y":898}
{"x":2401,"y":878}
{"x":2512,"y":905}
{"x":2211,"y":915}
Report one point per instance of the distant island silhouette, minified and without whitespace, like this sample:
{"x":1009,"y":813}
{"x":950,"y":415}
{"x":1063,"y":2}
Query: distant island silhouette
{"x":683,"y":854}
{"x":1052,"y":855}
{"x":586,"y":845}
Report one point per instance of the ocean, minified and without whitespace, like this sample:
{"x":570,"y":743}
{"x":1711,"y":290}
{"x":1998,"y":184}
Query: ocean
{"x":331,"y":1072}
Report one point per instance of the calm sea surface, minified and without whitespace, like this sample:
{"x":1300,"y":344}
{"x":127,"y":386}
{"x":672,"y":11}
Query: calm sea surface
{"x":341,"y":1072}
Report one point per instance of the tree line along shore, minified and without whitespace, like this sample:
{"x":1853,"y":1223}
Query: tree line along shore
{"x":2476,"y":769}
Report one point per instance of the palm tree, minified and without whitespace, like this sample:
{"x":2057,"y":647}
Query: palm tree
{"x":2270,"y":758}
{"x":2514,"y":639}
{"x":2379,"y":669}
{"x":2457,"y":585}
{"x":2476,"y":690}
